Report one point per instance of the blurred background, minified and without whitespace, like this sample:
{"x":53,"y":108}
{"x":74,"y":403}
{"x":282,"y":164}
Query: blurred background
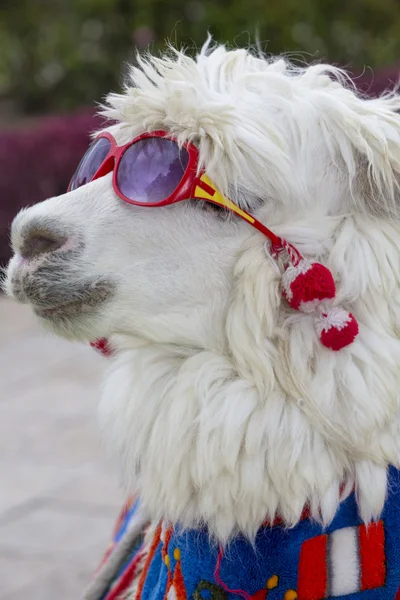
{"x":58,"y":497}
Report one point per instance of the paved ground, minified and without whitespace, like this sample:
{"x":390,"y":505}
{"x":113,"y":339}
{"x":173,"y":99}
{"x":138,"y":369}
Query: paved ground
{"x":58,"y":497}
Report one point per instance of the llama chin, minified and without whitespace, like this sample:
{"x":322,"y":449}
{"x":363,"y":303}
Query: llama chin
{"x":221,"y":406}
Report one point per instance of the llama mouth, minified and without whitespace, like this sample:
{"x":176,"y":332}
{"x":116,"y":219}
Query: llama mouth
{"x":82,"y":302}
{"x":55,"y":292}
{"x":62,"y":300}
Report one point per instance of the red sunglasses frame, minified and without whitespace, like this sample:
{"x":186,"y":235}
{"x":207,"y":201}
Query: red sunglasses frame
{"x":193,"y":185}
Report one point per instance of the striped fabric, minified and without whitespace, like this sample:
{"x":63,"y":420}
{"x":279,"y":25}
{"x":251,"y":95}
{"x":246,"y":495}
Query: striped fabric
{"x":345,"y":561}
{"x":348,"y":560}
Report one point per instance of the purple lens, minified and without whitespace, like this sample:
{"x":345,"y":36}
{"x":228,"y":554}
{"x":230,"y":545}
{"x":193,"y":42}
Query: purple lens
{"x":151,"y":170}
{"x":90,"y":162}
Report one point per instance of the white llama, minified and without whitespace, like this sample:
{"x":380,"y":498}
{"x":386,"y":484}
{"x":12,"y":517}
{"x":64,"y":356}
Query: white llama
{"x":223,"y":409}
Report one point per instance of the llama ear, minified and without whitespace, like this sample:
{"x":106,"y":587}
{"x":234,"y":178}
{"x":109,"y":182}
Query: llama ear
{"x":367,"y":136}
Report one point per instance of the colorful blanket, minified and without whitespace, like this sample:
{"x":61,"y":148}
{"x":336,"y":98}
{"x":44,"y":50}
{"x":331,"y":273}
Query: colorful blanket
{"x":346,"y":561}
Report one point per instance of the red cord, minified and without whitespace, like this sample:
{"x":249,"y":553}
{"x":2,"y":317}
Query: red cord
{"x":218,"y":579}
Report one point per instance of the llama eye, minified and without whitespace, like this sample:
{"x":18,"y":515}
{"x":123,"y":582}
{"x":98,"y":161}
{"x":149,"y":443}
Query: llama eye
{"x":210,"y":207}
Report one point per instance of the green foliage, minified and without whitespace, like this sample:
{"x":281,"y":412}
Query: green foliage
{"x":58,"y":54}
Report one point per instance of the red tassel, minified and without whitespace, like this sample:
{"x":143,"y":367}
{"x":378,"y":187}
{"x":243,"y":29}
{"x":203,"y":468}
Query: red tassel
{"x":307,"y":284}
{"x":307,"y":287}
{"x":102,"y":345}
{"x":337,"y":329}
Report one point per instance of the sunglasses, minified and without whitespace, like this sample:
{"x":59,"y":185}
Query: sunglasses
{"x":153,"y":170}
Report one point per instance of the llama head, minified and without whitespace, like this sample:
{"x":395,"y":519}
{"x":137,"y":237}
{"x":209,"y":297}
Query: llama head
{"x":221,"y":404}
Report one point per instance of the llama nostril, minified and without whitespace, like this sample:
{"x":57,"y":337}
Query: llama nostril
{"x":39,"y":241}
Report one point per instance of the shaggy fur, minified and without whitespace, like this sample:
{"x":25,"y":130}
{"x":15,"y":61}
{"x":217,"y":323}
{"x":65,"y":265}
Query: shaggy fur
{"x":221,"y":406}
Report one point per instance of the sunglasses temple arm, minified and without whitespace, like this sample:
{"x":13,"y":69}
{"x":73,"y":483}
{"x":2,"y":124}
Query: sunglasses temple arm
{"x":205,"y":189}
{"x":274,"y":239}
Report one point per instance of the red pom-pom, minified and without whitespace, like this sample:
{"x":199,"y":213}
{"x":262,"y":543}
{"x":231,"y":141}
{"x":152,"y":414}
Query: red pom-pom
{"x":309,"y":286}
{"x":337,"y":329}
{"x":102,"y":345}
{"x":306,"y":284}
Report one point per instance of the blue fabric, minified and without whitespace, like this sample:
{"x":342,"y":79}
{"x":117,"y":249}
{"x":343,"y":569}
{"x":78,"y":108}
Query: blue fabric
{"x":276,"y":553}
{"x":124,"y":525}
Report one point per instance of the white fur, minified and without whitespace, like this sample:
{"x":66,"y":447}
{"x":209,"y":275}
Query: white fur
{"x":221,"y":406}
